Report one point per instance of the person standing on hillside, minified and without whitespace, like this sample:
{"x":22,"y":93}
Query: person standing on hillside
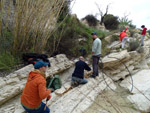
{"x":143,"y":34}
{"x":123,"y":38}
{"x":35,"y":90}
{"x":96,"y":53}
{"x":78,"y":74}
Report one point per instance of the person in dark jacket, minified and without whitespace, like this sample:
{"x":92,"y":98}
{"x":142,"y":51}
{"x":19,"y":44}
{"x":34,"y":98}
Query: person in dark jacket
{"x":78,"y":74}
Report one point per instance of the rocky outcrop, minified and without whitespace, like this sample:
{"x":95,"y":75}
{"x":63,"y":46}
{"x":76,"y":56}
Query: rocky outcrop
{"x":118,"y":64}
{"x":141,"y":90}
{"x":78,"y":99}
{"x":13,"y":84}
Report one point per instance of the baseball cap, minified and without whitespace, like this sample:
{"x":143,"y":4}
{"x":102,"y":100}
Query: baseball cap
{"x":94,"y":33}
{"x":40,"y":64}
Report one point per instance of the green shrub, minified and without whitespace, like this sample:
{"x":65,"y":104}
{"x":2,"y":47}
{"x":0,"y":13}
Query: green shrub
{"x":7,"y":61}
{"x":133,"y":45}
{"x":125,"y":21}
{"x":65,"y":39}
{"x":92,"y":21}
{"x":111,"y":22}
{"x":114,"y":38}
{"x":68,"y":33}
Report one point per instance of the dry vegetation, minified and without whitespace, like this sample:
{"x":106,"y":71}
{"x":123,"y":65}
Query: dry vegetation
{"x":32,"y":22}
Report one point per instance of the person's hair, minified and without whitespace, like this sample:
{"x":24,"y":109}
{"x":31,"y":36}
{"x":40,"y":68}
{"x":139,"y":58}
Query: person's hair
{"x":81,"y":58}
{"x":142,"y":26}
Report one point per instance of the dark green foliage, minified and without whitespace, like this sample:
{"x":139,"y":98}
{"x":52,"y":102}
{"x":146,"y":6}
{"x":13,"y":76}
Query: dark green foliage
{"x":115,"y":38}
{"x":7,"y":61}
{"x":132,"y":26}
{"x":92,"y":21}
{"x":111,"y":22}
{"x":69,"y":33}
{"x":67,"y":37}
{"x":64,"y":11}
{"x":125,"y":21}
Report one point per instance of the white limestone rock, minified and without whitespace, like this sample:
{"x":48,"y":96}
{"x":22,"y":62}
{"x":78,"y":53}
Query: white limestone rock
{"x":80,"y":98}
{"x":141,"y":90}
{"x":113,"y":59}
{"x":2,"y":82}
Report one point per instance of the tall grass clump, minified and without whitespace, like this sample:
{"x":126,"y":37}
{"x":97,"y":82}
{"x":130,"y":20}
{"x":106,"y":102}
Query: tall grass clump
{"x":8,"y":61}
{"x":30,"y":21}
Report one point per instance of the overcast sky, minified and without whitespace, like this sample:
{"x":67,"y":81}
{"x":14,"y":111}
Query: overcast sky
{"x":138,"y":10}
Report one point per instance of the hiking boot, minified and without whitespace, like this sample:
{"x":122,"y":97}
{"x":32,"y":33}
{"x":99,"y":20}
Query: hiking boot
{"x":75,"y":83}
{"x":92,"y":76}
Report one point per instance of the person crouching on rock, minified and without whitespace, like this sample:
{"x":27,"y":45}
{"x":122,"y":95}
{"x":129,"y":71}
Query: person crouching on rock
{"x":124,"y":38}
{"x":78,"y":74}
{"x":35,"y":90}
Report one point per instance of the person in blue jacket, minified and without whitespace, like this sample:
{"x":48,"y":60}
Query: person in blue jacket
{"x":78,"y":74}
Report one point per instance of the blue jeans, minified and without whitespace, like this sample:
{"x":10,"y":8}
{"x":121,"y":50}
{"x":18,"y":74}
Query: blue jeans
{"x":39,"y":110}
{"x":81,"y":81}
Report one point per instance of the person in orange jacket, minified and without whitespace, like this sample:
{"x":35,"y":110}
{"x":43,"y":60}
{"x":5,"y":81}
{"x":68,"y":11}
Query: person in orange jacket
{"x":35,"y":90}
{"x":143,"y":34}
{"x":123,"y":38}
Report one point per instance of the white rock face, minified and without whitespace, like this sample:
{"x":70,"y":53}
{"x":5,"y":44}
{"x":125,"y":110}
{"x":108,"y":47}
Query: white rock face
{"x":79,"y":98}
{"x":141,"y":90}
{"x":118,"y":64}
{"x":13,"y":84}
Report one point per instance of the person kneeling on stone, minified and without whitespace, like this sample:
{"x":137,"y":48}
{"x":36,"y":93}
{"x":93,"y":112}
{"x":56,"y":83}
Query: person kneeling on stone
{"x":35,"y":90}
{"x":78,"y":74}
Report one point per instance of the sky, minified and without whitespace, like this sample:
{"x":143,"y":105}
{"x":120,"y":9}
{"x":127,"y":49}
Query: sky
{"x":137,"y":10}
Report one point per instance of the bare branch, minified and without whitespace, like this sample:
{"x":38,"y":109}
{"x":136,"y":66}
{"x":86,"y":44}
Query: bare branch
{"x":101,"y":13}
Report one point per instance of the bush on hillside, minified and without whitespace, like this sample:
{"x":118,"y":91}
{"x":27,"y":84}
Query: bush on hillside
{"x":114,"y":38}
{"x":65,"y":39}
{"x":133,"y":45}
{"x":92,"y":21}
{"x":111,"y":22}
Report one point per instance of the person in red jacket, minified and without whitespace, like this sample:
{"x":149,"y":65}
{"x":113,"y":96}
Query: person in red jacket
{"x":123,"y":37}
{"x":35,"y":90}
{"x":143,"y":34}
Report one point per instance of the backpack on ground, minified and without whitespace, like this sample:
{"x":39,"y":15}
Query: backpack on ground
{"x":55,"y":82}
